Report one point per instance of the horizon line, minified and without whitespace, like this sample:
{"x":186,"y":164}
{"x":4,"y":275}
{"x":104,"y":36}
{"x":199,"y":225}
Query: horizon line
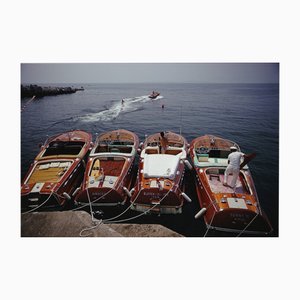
{"x":147,"y":82}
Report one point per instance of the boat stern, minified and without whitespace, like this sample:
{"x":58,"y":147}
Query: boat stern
{"x":157,"y":201}
{"x":242,"y":221}
{"x":100,"y":197}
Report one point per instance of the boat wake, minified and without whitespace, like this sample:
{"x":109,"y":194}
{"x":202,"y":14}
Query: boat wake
{"x":118,"y":108}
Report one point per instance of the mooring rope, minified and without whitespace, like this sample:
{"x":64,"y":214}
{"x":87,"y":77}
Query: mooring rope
{"x":98,"y":222}
{"x":209,"y":226}
{"x":100,"y":197}
{"x":95,"y":221}
{"x":122,"y":213}
{"x":145,"y":212}
{"x":97,"y":199}
{"x":34,"y":209}
{"x":247,"y":225}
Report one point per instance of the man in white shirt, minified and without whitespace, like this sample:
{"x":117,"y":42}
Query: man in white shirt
{"x":234,"y":162}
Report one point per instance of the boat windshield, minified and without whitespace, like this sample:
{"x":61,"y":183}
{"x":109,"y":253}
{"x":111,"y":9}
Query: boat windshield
{"x":213,"y":153}
{"x":115,"y":147}
{"x":63,"y":148}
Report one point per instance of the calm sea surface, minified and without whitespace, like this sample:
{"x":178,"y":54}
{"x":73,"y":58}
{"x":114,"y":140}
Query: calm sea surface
{"x":245,"y":113}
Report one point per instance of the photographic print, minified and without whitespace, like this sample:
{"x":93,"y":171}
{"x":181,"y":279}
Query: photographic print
{"x":149,"y":149}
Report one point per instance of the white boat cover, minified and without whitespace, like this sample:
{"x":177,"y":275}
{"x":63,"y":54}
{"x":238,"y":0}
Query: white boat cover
{"x":161,"y":165}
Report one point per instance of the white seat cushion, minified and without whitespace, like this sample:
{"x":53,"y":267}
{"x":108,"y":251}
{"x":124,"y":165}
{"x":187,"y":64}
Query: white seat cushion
{"x":161,"y":165}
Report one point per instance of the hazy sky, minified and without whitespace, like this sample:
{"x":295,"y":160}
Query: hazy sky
{"x":150,"y":72}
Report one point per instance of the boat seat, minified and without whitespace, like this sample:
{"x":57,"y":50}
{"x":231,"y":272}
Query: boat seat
{"x":125,"y":149}
{"x":173,"y":151}
{"x":211,"y":176}
{"x":203,"y":157}
{"x":161,"y":165}
{"x":102,"y":149}
{"x":151,"y":151}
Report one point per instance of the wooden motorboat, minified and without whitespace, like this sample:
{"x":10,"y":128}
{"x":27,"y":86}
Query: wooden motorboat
{"x":154,"y":95}
{"x":159,"y":184}
{"x":109,"y":171}
{"x":225,"y":208}
{"x":57,"y":171}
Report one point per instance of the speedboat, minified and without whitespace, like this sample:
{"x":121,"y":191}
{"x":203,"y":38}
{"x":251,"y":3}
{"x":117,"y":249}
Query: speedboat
{"x":154,"y":95}
{"x":57,"y":171}
{"x":109,"y":171}
{"x":225,"y":208}
{"x":159,"y":185}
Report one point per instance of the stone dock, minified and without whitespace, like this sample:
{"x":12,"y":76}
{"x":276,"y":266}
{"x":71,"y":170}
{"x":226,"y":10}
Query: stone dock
{"x":79,"y":224}
{"x":41,"y":91}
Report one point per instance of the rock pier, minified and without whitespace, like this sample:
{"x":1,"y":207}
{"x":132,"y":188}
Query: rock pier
{"x":41,"y":91}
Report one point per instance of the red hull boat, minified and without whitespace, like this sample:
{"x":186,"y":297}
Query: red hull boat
{"x":154,"y":95}
{"x":160,"y":176}
{"x":109,"y":171}
{"x":57,"y":171}
{"x":224,"y":208}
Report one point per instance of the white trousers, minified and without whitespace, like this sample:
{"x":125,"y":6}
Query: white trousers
{"x":235,"y":173}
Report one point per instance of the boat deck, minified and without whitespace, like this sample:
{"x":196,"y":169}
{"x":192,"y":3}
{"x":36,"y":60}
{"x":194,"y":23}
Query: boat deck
{"x":49,"y":172}
{"x":216,"y":184}
{"x":117,"y":141}
{"x":112,"y":167}
{"x":116,"y":135}
{"x":210,"y":141}
{"x":174,"y":140}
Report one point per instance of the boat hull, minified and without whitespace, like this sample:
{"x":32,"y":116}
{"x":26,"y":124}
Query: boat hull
{"x":159,"y":184}
{"x":226,"y":208}
{"x":110,"y":170}
{"x":231,"y":219}
{"x":105,"y":196}
{"x":157,"y":201}
{"x":239,"y":221}
{"x":153,"y":96}
{"x":100,"y":197}
{"x":56,"y":173}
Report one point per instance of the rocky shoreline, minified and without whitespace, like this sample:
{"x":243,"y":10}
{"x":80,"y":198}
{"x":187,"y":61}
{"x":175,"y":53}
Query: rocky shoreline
{"x":39,"y":91}
{"x":80,"y":224}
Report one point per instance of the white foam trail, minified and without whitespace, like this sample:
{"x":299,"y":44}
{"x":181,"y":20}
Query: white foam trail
{"x":129,"y":105}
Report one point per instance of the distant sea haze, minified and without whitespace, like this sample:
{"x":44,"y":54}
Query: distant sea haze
{"x":245,"y":113}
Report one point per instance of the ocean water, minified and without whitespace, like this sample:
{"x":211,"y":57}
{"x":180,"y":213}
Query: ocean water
{"x":245,"y":113}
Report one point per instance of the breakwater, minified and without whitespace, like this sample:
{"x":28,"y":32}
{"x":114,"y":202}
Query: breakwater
{"x":41,"y":91}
